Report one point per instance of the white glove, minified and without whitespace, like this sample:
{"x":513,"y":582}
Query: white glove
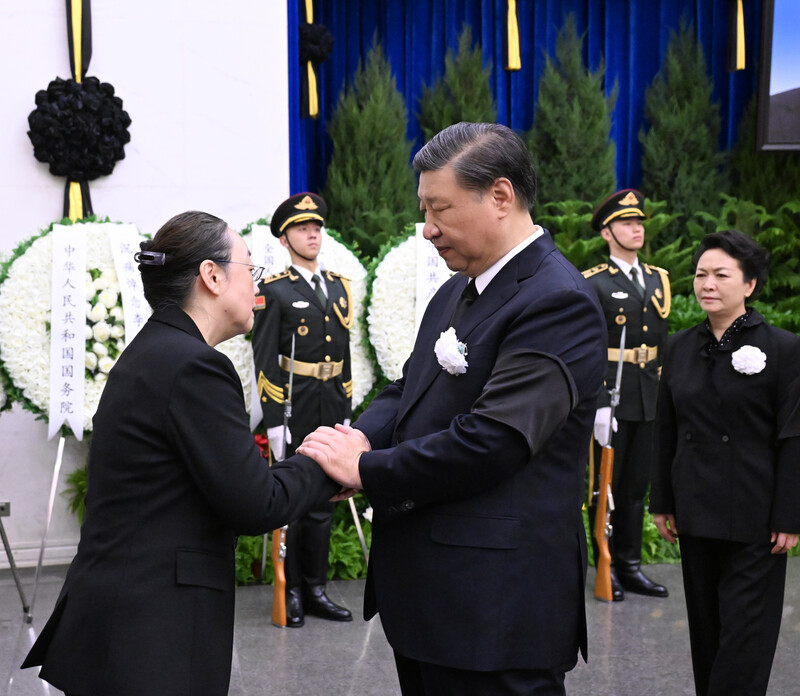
{"x":346,"y":422}
{"x":601,"y":430}
{"x":276,"y":441}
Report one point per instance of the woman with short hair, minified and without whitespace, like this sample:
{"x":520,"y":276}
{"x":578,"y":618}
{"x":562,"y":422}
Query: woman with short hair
{"x":727,"y":473}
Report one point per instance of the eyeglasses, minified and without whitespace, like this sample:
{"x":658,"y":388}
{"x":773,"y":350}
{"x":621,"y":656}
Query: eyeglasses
{"x":255,"y":271}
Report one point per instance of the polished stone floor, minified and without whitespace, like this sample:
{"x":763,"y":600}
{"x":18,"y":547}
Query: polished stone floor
{"x":639,"y":647}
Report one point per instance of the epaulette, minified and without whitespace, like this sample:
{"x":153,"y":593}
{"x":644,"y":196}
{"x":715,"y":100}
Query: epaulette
{"x":277,"y":276}
{"x":336,"y":275}
{"x":657,"y":269}
{"x":594,"y":271}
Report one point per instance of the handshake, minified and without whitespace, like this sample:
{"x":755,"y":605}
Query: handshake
{"x":337,"y":450}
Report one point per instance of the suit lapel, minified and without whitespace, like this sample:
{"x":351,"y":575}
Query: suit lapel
{"x":499,"y":291}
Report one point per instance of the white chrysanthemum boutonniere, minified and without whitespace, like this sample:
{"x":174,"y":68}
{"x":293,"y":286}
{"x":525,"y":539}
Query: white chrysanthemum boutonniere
{"x":451,"y":353}
{"x":748,"y":360}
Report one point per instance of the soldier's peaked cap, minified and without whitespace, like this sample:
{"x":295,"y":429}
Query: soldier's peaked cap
{"x":299,"y":208}
{"x":627,"y":203}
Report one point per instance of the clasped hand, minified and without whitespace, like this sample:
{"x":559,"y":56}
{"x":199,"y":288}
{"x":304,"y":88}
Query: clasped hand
{"x":337,"y":450}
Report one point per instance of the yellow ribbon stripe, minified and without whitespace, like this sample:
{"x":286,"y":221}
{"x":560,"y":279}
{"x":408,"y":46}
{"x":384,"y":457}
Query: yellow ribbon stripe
{"x":77,"y":23}
{"x":75,"y":201}
{"x":739,"y":36}
{"x":313,"y":99}
{"x":513,"y":62}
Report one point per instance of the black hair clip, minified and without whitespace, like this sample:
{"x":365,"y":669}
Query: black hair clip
{"x":150,"y":258}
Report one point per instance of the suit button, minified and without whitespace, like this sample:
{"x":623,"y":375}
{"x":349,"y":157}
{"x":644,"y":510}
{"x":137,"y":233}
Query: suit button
{"x":328,"y":339}
{"x":327,"y":318}
{"x":725,"y":438}
{"x":644,"y":328}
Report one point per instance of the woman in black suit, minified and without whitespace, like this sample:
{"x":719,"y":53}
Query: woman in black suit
{"x":727,"y":474}
{"x":174,"y":476}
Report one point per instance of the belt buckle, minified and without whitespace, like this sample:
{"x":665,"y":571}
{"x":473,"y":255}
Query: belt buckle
{"x":641,"y":354}
{"x":324,"y":371}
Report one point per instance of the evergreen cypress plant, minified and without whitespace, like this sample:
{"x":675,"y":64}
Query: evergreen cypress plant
{"x":570,"y":138}
{"x":681,"y":160}
{"x":770,"y":177}
{"x":371,"y":188}
{"x":463,"y":94}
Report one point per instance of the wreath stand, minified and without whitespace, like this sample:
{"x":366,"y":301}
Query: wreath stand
{"x":5,"y":511}
{"x":53,"y":488}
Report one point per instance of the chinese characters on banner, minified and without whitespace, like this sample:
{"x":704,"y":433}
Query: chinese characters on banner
{"x":431,"y":273}
{"x":67,"y":329}
{"x":267,"y":250}
{"x":124,"y":241}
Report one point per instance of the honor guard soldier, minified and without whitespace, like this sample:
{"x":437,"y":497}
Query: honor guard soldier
{"x":636,"y":296}
{"x":301,"y":337}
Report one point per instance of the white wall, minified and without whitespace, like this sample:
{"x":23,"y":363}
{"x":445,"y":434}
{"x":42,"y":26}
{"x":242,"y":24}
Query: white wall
{"x":205,"y":84}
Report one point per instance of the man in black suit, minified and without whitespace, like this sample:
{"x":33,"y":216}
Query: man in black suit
{"x":308,"y":310}
{"x":474,"y":459}
{"x":636,"y":296}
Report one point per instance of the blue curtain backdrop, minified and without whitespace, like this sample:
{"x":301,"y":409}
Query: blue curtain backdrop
{"x":632,"y":36}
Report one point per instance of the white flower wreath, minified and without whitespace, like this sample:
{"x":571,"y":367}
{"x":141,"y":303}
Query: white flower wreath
{"x":392,"y":308}
{"x":25,"y":316}
{"x":336,"y":256}
{"x":749,"y":360}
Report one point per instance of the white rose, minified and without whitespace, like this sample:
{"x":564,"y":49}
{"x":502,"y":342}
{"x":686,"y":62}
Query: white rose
{"x":451,"y":353}
{"x":108,"y":298}
{"x":100,"y":377}
{"x":105,"y":364}
{"x":88,"y":333}
{"x":91,"y":361}
{"x":101,"y":331}
{"x":117,"y":331}
{"x":120,"y":345}
{"x":116,"y":313}
{"x":98,"y":313}
{"x":367,"y":514}
{"x":100,"y":350}
{"x":749,"y":360}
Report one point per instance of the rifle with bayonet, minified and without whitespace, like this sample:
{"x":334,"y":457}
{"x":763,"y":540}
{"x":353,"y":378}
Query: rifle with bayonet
{"x":279,"y":535}
{"x":605,"y":503}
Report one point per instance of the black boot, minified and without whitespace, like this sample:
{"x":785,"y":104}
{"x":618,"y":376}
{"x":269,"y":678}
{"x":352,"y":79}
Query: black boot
{"x":628,"y":521}
{"x":294,"y":608}
{"x":314,"y":564}
{"x":317,"y":603}
{"x":617,"y":593}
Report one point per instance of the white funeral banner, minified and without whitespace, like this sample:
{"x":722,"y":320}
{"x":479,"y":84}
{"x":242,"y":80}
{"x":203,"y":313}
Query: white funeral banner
{"x":67,"y":329}
{"x":267,"y":251}
{"x":124,"y":240}
{"x":431,"y":273}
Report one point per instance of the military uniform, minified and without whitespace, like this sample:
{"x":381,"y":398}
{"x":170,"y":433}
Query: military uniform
{"x":287,"y":309}
{"x":645,"y":318}
{"x":292,"y":320}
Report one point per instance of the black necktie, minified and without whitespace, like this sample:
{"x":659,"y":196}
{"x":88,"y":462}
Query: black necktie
{"x":318,"y":291}
{"x":635,"y":280}
{"x":468,"y":296}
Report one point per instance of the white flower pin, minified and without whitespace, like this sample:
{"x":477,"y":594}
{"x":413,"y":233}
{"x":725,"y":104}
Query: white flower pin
{"x":748,"y":360}
{"x":451,"y":353}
